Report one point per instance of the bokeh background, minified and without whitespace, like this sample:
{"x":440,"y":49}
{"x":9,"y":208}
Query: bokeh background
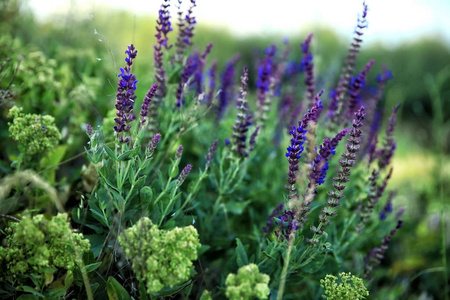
{"x":83,"y":41}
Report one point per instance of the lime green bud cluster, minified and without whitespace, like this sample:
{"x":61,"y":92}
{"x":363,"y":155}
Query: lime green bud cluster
{"x":248,"y":283}
{"x":36,"y":244}
{"x":350,"y":287}
{"x":160,"y":257}
{"x":35,"y":134}
{"x":39,"y":71}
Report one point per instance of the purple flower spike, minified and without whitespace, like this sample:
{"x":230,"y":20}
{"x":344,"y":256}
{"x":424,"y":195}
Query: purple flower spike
{"x":185,"y":30}
{"x":376,"y":191}
{"x":374,"y":257}
{"x":320,"y":164}
{"x":189,"y":69}
{"x":243,"y":120}
{"x":308,"y":67}
{"x":265,"y":72}
{"x":296,"y":147}
{"x":198,"y":73}
{"x":89,"y":129}
{"x":348,"y":160}
{"x":388,"y":207}
{"x":179,"y":152}
{"x":356,"y":85}
{"x":184,"y":173}
{"x":385,"y":76}
{"x":145,"y":104}
{"x":287,"y":223}
{"x":226,"y":87}
{"x":163,"y":28}
{"x":275,"y":213}
{"x":125,"y":96}
{"x":211,"y":152}
{"x":348,"y":68}
{"x":153,"y":144}
{"x":252,"y":141}
{"x":212,"y":74}
{"x":389,"y":145}
{"x":164,"y":25}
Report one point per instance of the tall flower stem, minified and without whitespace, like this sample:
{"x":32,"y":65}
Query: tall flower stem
{"x":283,"y":275}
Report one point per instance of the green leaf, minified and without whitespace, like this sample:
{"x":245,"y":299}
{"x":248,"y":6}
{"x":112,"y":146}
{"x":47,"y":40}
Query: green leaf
{"x":55,"y":294}
{"x":236,"y":208}
{"x":91,"y":158}
{"x":109,"y":183}
{"x":175,"y":75}
{"x":174,"y":171}
{"x":145,"y":163}
{"x":28,"y":297}
{"x":241,"y":255}
{"x":146,"y":194}
{"x":139,"y":183}
{"x":142,"y":291}
{"x":31,"y":290}
{"x":267,"y":255}
{"x":96,"y":241}
{"x":173,"y":290}
{"x":54,"y":157}
{"x":92,"y":267}
{"x":115,"y":290}
{"x":316,"y":264}
{"x":128,"y":154}
{"x":68,"y":280}
{"x":110,"y":153}
{"x":99,"y":216}
{"x":203,"y":249}
{"x":96,"y":228}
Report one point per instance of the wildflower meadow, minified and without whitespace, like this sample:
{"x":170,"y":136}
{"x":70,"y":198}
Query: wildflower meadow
{"x":172,"y":170}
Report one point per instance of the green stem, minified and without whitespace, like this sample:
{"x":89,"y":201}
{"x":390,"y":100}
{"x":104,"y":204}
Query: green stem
{"x":284,"y":271}
{"x":193,"y":194}
{"x":166,"y":210}
{"x":136,"y":175}
{"x":163,"y":192}
{"x":349,"y":223}
{"x":216,"y":208}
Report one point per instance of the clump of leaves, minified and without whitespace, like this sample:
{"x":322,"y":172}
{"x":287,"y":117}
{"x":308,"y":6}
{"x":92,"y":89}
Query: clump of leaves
{"x":347,"y":286}
{"x":248,"y":283}
{"x":160,"y":257}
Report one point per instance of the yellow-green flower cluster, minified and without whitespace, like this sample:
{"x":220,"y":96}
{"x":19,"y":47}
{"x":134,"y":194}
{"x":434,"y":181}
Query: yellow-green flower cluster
{"x":248,"y":283}
{"x":160,"y":257}
{"x":38,"y":72}
{"x":35,"y":244}
{"x":349,"y":287}
{"x":35,"y":134}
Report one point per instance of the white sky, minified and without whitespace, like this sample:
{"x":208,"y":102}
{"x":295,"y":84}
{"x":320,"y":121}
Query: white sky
{"x":390,"y":21}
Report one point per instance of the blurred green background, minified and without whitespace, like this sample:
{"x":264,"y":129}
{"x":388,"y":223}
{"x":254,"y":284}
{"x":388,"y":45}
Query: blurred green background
{"x":84,"y":55}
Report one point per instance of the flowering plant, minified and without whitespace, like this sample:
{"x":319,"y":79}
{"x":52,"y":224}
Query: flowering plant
{"x":189,"y":198}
